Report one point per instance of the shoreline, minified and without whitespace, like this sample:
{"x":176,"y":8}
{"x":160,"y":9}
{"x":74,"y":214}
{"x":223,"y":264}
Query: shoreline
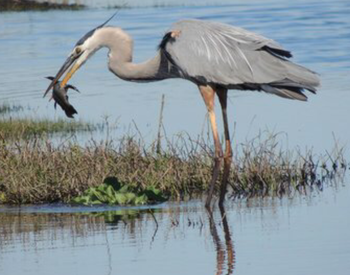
{"x":28,"y":5}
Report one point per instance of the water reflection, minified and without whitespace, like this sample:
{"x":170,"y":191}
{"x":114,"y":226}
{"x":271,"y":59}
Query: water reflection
{"x":31,"y":234}
{"x":181,"y":238}
{"x":223,"y":255}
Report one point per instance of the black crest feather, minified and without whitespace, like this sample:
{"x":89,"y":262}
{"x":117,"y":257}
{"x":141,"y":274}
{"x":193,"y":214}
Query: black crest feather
{"x":90,"y":33}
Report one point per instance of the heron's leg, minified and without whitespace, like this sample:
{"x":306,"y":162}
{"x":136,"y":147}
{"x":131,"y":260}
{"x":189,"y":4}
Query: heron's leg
{"x":222,"y":94}
{"x":208,"y":94}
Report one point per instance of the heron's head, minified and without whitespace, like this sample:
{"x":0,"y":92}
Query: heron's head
{"x":81,"y":52}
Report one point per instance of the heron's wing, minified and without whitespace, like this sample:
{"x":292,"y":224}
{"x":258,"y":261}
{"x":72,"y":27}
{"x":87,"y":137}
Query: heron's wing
{"x":212,"y":52}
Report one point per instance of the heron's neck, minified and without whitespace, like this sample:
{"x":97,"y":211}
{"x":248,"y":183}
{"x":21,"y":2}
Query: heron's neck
{"x":120,"y":63}
{"x":150,"y":70}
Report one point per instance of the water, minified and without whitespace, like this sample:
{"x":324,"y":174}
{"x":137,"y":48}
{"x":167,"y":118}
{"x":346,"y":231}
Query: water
{"x":35,"y":44}
{"x":304,"y":235}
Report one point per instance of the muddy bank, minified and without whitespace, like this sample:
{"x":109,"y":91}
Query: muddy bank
{"x":25,"y":5}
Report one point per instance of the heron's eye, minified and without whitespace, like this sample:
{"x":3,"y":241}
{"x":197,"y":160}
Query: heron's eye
{"x":77,"y":50}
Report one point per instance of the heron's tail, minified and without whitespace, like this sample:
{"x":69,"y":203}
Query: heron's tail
{"x":296,"y":82}
{"x":69,"y":110}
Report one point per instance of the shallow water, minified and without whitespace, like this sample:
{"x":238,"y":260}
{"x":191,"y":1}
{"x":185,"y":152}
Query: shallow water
{"x":35,"y":44}
{"x":304,"y":235}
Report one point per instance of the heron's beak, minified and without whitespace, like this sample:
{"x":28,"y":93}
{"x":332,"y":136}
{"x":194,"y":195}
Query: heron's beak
{"x":72,"y":64}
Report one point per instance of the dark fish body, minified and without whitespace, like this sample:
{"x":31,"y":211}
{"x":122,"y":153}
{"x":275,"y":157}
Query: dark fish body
{"x":60,"y":97}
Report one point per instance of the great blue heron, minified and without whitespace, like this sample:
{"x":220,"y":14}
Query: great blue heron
{"x":214,"y":56}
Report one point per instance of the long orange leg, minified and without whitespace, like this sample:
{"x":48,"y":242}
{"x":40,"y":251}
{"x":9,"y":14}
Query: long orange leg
{"x":222,"y":94}
{"x":208,"y":94}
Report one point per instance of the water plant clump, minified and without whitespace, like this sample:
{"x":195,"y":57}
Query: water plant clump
{"x":115,"y":193}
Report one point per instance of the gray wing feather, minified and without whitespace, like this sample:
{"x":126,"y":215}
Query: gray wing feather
{"x":222,"y":54}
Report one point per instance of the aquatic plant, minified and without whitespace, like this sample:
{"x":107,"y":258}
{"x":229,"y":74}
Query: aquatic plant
{"x":122,"y":215}
{"x":114,"y":192}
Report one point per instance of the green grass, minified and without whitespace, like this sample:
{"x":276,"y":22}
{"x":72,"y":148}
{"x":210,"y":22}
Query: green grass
{"x":16,"y":125}
{"x":27,"y":128}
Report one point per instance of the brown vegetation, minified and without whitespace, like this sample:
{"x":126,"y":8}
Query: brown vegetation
{"x":37,"y":171}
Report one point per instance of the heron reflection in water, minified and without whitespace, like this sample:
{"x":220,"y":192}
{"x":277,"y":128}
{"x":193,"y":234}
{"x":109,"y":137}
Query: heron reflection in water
{"x":225,"y":252}
{"x":214,"y":56}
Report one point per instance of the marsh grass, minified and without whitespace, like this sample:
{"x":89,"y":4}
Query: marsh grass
{"x":35,"y":168}
{"x":15,"y":124}
{"x":17,"y":128}
{"x":6,"y":108}
{"x":37,"y":171}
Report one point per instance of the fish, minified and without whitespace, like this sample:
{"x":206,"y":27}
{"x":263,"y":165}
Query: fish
{"x":59,"y":95}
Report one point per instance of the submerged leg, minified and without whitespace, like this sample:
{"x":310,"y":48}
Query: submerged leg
{"x":222,"y":94}
{"x":208,"y":95}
